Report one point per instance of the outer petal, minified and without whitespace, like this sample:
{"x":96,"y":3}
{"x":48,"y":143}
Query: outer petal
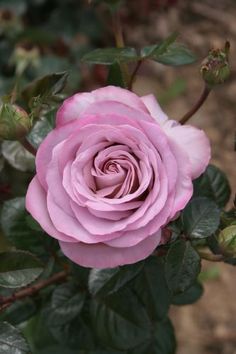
{"x":75,"y":105}
{"x":194,"y":143}
{"x":37,"y":206}
{"x":154,"y":108}
{"x":103,"y":256}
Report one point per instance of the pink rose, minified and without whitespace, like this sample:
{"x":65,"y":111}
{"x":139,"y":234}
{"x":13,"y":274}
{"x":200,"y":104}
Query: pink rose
{"x":111,"y":174}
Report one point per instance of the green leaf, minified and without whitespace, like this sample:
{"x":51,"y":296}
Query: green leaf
{"x":18,"y":269}
{"x":152,"y":289}
{"x":66,"y":304}
{"x":109,"y":56}
{"x":40,"y":130}
{"x":200,"y":218}
{"x":189,"y":296}
{"x":182,"y":266}
{"x":16,"y":228}
{"x":213,"y":184}
{"x":158,"y":49}
{"x":163,"y":340}
{"x":176,"y":55}
{"x":48,"y":85}
{"x":19,"y":311}
{"x":75,"y":334}
{"x":17,"y":156}
{"x":115,"y":76}
{"x":169,"y":53}
{"x":107,"y":281}
{"x":11,"y":340}
{"x":120,"y":321}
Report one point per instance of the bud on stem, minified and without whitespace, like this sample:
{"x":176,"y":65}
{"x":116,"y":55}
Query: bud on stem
{"x":14,"y":122}
{"x":215,"y":68}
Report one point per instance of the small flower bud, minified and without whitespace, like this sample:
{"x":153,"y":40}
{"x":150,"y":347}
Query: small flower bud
{"x":14,"y":122}
{"x":215,"y":68}
{"x":227,"y":241}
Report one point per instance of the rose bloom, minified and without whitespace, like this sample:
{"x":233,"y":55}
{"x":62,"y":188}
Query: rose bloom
{"x":112,"y":174}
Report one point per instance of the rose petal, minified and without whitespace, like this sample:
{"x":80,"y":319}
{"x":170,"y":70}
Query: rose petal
{"x":36,"y":205}
{"x":154,"y":108}
{"x":102,"y":256}
{"x":195,"y":143}
{"x":75,"y":105}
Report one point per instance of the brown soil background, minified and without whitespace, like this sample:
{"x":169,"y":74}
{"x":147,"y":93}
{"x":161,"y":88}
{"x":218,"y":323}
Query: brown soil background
{"x":209,"y":326}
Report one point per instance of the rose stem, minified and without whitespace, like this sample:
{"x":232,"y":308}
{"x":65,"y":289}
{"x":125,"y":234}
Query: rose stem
{"x":134,"y":73}
{"x":120,"y":43}
{"x":199,"y":103}
{"x":24,"y":142}
{"x":32,"y":290}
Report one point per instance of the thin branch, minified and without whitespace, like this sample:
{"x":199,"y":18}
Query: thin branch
{"x":24,"y":142}
{"x":32,"y":290}
{"x":199,"y":103}
{"x":134,"y":74}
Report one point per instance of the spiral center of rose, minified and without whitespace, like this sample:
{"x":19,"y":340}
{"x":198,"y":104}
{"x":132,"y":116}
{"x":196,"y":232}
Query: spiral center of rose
{"x":115,"y":172}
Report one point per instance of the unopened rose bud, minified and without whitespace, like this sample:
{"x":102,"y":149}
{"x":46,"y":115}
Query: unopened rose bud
{"x":227,"y":241}
{"x":215,"y":68}
{"x":14,"y":122}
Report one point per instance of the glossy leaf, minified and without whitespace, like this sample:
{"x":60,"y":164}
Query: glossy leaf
{"x":19,"y":311}
{"x":158,"y":49}
{"x":17,"y":156}
{"x":18,"y":269}
{"x":169,"y":53}
{"x":45,"y":86}
{"x":11,"y":340}
{"x":120,"y":321}
{"x":182,"y":266}
{"x":115,"y":76}
{"x":213,"y":184}
{"x":162,"y":342}
{"x":16,"y":228}
{"x":66,"y":304}
{"x":109,"y":56}
{"x":107,"y":281}
{"x":189,"y":296}
{"x":200,"y":218}
{"x":152,"y":289}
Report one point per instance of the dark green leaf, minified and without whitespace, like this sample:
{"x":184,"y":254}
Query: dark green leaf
{"x":17,"y":229}
{"x":182,"y":266}
{"x":17,"y":156}
{"x":11,"y":340}
{"x":40,"y":130}
{"x":115,"y":76}
{"x":213,"y":184}
{"x":67,"y":302}
{"x":48,"y":85}
{"x":158,"y":49}
{"x":163,"y":340}
{"x":200,"y":218}
{"x":18,"y":269}
{"x":120,"y":321}
{"x":176,"y":55}
{"x":75,"y":334}
{"x":169,"y":53}
{"x":152,"y":289}
{"x":107,"y":281}
{"x":109,"y":56}
{"x":189,"y":296}
{"x":19,"y":311}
